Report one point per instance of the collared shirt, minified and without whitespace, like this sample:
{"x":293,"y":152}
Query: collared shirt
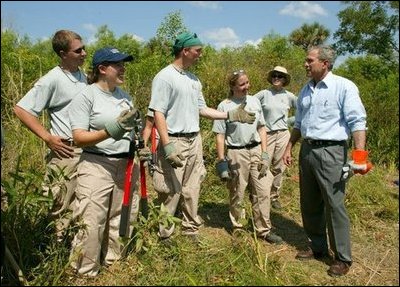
{"x":240,"y":134}
{"x":331,"y":110}
{"x":178,"y":95}
{"x":53,"y":92}
{"x":92,"y":108}
{"x":276,"y":106}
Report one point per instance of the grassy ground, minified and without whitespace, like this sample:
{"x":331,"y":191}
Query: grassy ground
{"x":224,"y":258}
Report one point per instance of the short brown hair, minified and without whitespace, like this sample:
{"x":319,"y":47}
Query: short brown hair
{"x":62,"y":40}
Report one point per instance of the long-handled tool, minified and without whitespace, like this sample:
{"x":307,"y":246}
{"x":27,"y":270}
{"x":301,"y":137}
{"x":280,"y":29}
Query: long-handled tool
{"x":125,"y":211}
{"x":143,"y":204}
{"x":153,"y":161}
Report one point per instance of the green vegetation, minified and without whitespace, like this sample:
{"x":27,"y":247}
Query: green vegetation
{"x":222,"y":258}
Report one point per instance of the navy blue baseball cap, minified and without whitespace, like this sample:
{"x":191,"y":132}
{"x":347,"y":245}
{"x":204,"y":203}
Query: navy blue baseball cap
{"x":109,"y":54}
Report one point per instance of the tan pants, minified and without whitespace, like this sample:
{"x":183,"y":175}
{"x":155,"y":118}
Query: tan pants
{"x":60,"y":180}
{"x":276,"y":145}
{"x":244,"y":163}
{"x":181,"y":185}
{"x":99,"y":199}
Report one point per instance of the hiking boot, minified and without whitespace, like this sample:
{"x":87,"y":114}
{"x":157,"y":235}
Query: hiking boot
{"x":276,"y":204}
{"x":310,"y":254}
{"x":273,"y":238}
{"x":339,"y":268}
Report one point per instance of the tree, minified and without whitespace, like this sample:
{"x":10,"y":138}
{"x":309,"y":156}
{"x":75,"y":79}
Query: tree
{"x":309,"y":35}
{"x":171,"y":27}
{"x":166,"y":34}
{"x":369,"y":27}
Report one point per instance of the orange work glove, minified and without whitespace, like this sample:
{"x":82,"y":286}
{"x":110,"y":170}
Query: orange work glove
{"x":360,"y":163}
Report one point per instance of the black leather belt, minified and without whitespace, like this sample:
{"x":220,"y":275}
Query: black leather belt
{"x":68,"y":142}
{"x":248,"y":146}
{"x":183,"y":135}
{"x":323,"y":142}
{"x":116,"y":155}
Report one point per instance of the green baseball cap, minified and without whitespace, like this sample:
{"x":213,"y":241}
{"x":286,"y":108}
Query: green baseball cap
{"x":184,"y":40}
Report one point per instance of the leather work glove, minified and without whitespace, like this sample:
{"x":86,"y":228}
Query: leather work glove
{"x":223,"y":170}
{"x":241,"y":115}
{"x":263,"y":165}
{"x":358,"y":165}
{"x":125,"y":122}
{"x":172,"y":156}
{"x":144,"y":154}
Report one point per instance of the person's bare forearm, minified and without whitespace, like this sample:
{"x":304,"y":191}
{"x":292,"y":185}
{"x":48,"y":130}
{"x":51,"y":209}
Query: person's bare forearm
{"x":287,"y":155}
{"x":220,"y":141}
{"x":359,"y":138}
{"x":147,"y":129}
{"x":84,"y":138}
{"x":263,"y":136}
{"x":213,"y":114}
{"x":32,"y":123}
{"x":161,"y":124}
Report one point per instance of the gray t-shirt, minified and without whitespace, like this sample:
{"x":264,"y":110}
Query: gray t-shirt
{"x":276,"y":106}
{"x":240,"y":134}
{"x":92,"y":108}
{"x":53,"y":92}
{"x":178,"y":95}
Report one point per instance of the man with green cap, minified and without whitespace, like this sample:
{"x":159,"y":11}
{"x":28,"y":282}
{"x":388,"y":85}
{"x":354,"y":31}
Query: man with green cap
{"x":178,"y":102}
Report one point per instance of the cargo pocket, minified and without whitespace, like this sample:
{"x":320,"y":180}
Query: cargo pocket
{"x":161,"y":182}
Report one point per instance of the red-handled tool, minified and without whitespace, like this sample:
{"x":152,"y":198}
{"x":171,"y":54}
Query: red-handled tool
{"x":153,"y":145}
{"x":144,"y":205}
{"x":125,"y":210}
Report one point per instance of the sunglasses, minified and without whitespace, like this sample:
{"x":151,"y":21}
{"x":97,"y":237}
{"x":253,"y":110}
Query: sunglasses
{"x":238,"y":72}
{"x":79,"y":50}
{"x":279,"y":76}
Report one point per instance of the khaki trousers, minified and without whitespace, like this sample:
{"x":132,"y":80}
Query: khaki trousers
{"x":181,"y":185}
{"x":276,"y":145}
{"x":60,"y":180}
{"x":99,"y":195}
{"x":243,"y":163}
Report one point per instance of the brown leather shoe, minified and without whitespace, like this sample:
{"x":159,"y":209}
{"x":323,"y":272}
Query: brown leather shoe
{"x":310,"y":254}
{"x":338,"y":268}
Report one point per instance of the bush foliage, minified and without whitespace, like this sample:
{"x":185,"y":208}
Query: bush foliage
{"x":23,"y":63}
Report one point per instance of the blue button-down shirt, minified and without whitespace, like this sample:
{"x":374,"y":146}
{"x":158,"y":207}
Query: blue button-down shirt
{"x":331,"y":110}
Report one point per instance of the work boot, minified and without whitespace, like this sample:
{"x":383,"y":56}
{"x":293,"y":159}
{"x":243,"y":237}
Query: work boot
{"x":339,"y":268}
{"x":310,"y":254}
{"x":276,"y":204}
{"x":273,"y":238}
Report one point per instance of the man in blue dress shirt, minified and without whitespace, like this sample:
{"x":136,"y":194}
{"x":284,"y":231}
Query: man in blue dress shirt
{"x":329,"y":111}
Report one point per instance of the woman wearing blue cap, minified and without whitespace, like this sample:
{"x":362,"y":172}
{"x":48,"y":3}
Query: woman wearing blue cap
{"x":101,"y":117}
{"x":177,"y":101}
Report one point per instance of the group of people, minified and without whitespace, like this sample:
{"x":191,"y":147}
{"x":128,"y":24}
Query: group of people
{"x":92,"y":120}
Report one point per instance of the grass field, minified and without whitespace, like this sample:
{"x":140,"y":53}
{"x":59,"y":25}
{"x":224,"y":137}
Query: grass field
{"x":224,"y":258}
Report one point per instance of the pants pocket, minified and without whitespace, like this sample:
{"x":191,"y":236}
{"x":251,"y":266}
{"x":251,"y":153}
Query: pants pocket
{"x":161,"y":183}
